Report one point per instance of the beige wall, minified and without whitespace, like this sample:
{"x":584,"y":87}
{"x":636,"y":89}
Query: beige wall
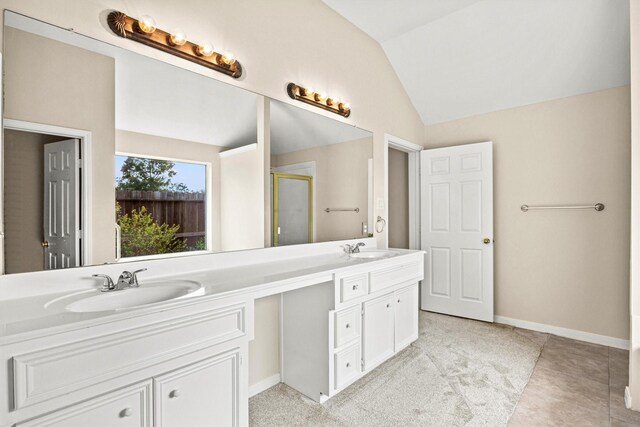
{"x":341,"y":182}
{"x":151,"y":145}
{"x":634,"y":356}
{"x":562,"y":268}
{"x":24,"y":199}
{"x":398,"y":199}
{"x":80,"y":94}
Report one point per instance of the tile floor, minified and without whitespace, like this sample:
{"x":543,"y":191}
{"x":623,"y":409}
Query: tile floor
{"x":576,"y":384}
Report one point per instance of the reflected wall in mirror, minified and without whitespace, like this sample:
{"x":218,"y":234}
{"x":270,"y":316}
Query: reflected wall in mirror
{"x":112,"y":155}
{"x":321,"y":177}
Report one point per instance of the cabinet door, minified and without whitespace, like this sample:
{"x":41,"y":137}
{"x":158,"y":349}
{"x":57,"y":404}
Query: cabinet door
{"x":378,"y":330}
{"x":406,"y":321}
{"x":127,"y":407}
{"x":202,"y":394}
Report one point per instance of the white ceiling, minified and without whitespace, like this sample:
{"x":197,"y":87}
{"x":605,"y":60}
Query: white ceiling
{"x":459,"y":58}
{"x":156,"y":98}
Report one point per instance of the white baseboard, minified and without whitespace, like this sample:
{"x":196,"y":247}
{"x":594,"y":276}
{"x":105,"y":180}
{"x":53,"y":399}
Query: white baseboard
{"x":627,"y":397}
{"x":564,"y":332}
{"x":263,"y":385}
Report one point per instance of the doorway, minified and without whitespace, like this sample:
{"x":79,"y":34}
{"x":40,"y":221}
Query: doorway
{"x":398,"y":164}
{"x":45,"y":207}
{"x":292,"y":209}
{"x":403,"y":210}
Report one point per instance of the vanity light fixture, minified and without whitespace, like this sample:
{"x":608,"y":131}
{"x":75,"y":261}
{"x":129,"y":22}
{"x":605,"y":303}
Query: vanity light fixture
{"x":144,"y":31}
{"x":318,"y":99}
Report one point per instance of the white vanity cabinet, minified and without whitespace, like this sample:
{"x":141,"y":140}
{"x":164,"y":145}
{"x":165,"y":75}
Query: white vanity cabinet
{"x":200,"y":394}
{"x":127,"y":407}
{"x":177,"y":367}
{"x":335,"y":332}
{"x":378,"y":330}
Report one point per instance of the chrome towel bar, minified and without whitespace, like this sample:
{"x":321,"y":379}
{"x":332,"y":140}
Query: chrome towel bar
{"x":598,"y":207}
{"x":342,"y":210}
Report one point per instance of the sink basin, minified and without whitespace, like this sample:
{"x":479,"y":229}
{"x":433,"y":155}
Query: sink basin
{"x":94,"y":300}
{"x":373,"y":254}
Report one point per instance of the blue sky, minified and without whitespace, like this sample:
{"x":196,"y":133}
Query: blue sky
{"x":190,"y":174}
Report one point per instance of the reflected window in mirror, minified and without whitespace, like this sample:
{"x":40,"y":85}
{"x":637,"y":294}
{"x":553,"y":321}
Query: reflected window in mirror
{"x":161,"y":207}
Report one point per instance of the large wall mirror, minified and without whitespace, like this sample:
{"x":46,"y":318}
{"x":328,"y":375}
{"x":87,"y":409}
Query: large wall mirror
{"x":113,"y":156}
{"x":321,"y":177}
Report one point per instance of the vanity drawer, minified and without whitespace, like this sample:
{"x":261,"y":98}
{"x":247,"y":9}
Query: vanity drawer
{"x":53,"y":372}
{"x":352,"y":287}
{"x":128,"y":407}
{"x":391,"y":276}
{"x":347,"y":326}
{"x":346,"y":366}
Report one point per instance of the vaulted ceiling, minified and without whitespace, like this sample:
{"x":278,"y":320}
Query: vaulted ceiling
{"x":459,"y":58}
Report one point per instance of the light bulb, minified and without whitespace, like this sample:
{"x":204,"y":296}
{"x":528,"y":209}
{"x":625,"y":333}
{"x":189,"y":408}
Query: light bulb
{"x":228,"y":58}
{"x":344,"y":106}
{"x":320,"y":96}
{"x":178,"y":38}
{"x":309,"y":91}
{"x":146,"y":24}
{"x":205,"y":49}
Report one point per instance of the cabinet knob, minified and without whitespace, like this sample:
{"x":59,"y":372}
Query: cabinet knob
{"x":388,"y":305}
{"x":348,"y":365}
{"x":126,"y":412}
{"x":347,"y":326}
{"x":174,"y":393}
{"x":398,"y":301}
{"x":355,"y":287}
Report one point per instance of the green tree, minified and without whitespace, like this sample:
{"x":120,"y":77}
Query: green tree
{"x":142,"y":235}
{"x":140,"y":174}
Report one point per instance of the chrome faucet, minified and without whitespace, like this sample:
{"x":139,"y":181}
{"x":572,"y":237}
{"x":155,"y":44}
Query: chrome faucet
{"x":126,"y":280}
{"x":129,"y":279}
{"x":353,"y":249}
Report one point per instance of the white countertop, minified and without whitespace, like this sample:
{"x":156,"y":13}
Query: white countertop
{"x":25,"y":318}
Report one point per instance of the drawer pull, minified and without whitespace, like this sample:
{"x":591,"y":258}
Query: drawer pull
{"x":388,"y":305}
{"x":348,"y":365}
{"x":355,"y":287}
{"x":126,"y":412}
{"x":174,"y":393}
{"x":347,"y":326}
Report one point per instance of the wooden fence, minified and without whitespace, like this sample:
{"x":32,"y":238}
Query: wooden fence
{"x":185,"y":209}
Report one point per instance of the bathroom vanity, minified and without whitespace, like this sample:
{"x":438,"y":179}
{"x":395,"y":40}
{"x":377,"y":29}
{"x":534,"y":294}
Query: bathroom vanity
{"x":184,"y":361}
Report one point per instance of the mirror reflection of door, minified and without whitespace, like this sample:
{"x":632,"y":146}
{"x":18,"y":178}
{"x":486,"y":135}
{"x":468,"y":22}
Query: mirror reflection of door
{"x":292,"y":205}
{"x":61,"y":202}
{"x":42,"y":205}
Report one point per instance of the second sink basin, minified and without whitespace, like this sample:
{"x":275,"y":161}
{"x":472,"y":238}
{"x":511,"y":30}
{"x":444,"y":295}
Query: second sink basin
{"x":93,"y":301}
{"x":373,"y":253}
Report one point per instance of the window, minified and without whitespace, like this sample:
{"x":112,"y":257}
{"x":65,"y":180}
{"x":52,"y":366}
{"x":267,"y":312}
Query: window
{"x":161,"y":206}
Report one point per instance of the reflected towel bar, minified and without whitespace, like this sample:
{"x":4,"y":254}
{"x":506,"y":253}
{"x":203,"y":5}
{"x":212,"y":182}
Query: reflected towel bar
{"x":342,"y":210}
{"x":598,"y":207}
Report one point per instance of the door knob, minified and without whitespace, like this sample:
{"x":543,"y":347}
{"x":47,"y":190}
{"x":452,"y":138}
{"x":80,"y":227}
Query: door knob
{"x":45,"y":244}
{"x":486,"y":241}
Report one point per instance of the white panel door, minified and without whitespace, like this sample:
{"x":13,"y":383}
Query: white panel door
{"x":61,"y":203}
{"x":457,"y":230}
{"x":203,"y":394}
{"x":377,"y":330}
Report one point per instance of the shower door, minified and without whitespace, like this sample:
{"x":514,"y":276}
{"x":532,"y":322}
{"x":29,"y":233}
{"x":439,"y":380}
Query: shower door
{"x":292,"y":203}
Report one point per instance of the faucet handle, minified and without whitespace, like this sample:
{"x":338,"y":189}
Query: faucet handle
{"x":108,"y":284}
{"x":134,"y":277}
